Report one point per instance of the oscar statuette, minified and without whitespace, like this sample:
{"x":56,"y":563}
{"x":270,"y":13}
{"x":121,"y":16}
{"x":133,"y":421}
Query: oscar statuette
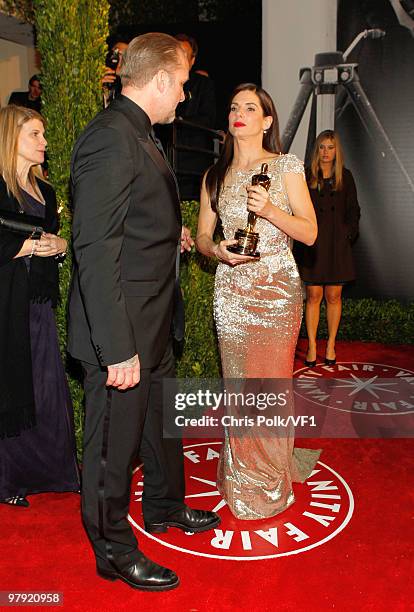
{"x":247,"y":238}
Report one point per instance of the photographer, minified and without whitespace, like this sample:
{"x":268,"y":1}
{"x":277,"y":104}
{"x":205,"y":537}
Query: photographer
{"x":31,"y":98}
{"x":199,"y":107}
{"x":111,"y":82}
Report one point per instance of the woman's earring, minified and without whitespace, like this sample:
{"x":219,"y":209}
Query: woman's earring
{"x":264,"y":131}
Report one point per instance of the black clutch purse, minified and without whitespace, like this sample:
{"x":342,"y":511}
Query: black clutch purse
{"x":34,"y":232}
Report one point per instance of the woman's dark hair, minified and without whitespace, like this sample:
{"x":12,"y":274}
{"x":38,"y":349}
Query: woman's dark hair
{"x":271,"y":142}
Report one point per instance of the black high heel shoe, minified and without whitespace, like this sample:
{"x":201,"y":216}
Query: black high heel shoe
{"x":330,"y":362}
{"x":310,"y":364}
{"x":17,"y":500}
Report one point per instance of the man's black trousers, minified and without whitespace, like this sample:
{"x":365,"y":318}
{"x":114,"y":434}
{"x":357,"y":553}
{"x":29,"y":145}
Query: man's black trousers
{"x":119,"y":426}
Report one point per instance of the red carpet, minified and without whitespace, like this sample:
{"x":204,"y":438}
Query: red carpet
{"x":353,"y":517}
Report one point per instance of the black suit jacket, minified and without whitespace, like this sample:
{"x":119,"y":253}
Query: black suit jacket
{"x":126,"y":229}
{"x":200,"y":103}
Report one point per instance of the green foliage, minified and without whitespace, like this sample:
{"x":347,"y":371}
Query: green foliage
{"x":369,"y":320}
{"x":71,"y":40}
{"x":21,"y":9}
{"x":200,"y":357}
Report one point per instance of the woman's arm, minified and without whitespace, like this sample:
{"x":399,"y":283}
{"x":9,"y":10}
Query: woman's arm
{"x":207,"y":222}
{"x":48,"y":245}
{"x":352,"y":210}
{"x":28,"y":248}
{"x":302,"y":224}
{"x":13,"y":245}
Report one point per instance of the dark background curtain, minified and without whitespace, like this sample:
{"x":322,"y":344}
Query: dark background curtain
{"x":384,"y":251}
{"x":230,"y":49}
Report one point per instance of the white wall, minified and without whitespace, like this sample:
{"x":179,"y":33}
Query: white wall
{"x":293,"y":31}
{"x":17,"y":64}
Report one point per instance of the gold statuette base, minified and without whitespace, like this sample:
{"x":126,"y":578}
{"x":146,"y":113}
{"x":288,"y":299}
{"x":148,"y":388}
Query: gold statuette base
{"x":246,"y":243}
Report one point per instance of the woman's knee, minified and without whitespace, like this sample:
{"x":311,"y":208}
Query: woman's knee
{"x":333,"y":295}
{"x":314,"y":294}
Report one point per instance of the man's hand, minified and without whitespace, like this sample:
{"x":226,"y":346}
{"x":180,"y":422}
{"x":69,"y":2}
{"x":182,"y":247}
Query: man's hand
{"x":186,"y":241}
{"x":124,"y":375}
{"x":109,"y":77}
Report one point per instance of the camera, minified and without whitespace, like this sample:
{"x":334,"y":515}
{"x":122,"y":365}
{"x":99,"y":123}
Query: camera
{"x":112,"y":59}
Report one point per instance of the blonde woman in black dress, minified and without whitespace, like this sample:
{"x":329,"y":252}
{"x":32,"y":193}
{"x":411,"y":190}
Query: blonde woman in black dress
{"x":328,"y":265}
{"x":37,"y":444}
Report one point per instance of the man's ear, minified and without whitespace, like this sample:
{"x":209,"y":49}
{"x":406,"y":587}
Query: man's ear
{"x":161,"y":79}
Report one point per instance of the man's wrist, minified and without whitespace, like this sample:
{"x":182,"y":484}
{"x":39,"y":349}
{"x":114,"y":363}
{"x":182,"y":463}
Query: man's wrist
{"x":128,"y":363}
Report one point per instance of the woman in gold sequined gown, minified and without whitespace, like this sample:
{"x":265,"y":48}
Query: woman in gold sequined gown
{"x":257,"y":303}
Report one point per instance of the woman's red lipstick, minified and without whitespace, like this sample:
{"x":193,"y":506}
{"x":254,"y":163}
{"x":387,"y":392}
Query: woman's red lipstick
{"x":239,"y":124}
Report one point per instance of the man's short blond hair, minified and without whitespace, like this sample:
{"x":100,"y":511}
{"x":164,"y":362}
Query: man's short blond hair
{"x":146,"y":55}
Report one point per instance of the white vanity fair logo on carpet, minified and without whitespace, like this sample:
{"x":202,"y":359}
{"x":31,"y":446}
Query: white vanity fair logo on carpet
{"x":357,"y":387}
{"x":323,"y":507}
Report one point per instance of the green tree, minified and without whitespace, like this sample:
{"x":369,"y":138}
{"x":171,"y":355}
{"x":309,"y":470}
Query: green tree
{"x":21,"y":9}
{"x":71,"y":38}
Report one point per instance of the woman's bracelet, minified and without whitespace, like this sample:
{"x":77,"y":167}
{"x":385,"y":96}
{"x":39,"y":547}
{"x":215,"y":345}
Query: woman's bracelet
{"x":61,"y":255}
{"x":33,"y":248}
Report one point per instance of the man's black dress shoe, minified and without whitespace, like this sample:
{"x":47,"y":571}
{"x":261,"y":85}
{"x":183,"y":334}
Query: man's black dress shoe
{"x":187,"y":519}
{"x":310,"y":364}
{"x":144,"y":574}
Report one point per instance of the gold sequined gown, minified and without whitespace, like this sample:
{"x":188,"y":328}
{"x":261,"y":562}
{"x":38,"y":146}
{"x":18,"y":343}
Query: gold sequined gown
{"x":258,"y":312}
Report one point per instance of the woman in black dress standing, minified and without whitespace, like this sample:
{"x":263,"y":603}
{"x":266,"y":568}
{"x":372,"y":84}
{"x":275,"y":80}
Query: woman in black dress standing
{"x":37,"y":445}
{"x":328,"y":265}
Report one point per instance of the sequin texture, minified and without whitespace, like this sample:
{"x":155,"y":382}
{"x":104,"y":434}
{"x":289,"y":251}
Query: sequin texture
{"x":258,"y":311}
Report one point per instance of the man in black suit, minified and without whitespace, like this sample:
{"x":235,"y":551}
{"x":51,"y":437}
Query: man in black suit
{"x":126,"y":230}
{"x":198,"y":107}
